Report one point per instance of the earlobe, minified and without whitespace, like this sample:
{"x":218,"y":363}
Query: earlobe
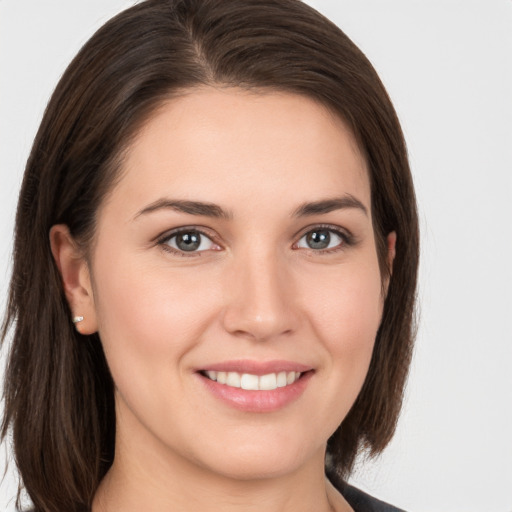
{"x":76,"y":281}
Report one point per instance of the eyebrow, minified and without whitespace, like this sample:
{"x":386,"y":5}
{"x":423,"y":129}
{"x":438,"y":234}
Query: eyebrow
{"x":330,"y":205}
{"x":190,"y":207}
{"x":215,"y":211}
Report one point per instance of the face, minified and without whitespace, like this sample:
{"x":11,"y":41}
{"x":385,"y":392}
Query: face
{"x":235,"y":283}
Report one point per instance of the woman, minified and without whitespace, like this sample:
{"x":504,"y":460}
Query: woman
{"x":215,"y":267}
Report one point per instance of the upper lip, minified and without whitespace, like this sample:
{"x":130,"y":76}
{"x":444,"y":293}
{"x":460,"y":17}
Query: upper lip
{"x":256,"y":367}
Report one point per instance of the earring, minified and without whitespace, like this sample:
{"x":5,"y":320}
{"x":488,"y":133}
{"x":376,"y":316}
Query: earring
{"x":77,"y":319}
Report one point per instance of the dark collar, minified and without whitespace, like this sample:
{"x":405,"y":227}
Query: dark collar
{"x":359,"y":500}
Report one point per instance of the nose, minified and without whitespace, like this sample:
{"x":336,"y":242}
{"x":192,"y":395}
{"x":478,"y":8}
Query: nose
{"x":261,"y":299}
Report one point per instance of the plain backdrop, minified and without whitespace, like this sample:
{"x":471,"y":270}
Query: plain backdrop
{"x":447,"y":65}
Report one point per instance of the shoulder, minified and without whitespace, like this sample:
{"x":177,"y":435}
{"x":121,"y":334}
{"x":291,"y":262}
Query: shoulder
{"x":359,"y":500}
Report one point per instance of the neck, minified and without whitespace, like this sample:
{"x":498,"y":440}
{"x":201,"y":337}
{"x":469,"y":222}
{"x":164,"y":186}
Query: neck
{"x":148,"y":483}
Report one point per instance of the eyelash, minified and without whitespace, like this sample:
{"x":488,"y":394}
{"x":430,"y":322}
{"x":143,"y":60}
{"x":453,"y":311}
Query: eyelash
{"x":347,"y":239}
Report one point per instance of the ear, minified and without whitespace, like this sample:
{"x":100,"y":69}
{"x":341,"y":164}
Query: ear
{"x":391,"y":242}
{"x":76,"y":279}
{"x":391,"y":252}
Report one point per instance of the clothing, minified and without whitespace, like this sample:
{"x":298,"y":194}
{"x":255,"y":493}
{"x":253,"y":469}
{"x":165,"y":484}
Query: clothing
{"x":359,"y":500}
{"x":362,"y":502}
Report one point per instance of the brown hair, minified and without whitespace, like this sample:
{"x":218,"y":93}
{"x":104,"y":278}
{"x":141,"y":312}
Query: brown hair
{"x":58,"y":390}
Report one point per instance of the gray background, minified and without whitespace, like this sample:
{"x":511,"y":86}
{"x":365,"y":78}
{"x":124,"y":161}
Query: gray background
{"x":448,"y":67}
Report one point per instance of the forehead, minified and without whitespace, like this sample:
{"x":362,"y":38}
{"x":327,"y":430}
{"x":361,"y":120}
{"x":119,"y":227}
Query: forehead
{"x":226,"y":144}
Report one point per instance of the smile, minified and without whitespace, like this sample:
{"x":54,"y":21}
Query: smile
{"x":256,"y":387}
{"x":251,"y":382}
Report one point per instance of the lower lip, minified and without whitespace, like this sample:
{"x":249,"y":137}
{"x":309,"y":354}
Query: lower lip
{"x":257,"y":401}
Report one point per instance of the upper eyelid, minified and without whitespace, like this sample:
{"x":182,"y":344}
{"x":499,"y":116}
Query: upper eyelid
{"x":329,"y":227}
{"x":166,"y":235}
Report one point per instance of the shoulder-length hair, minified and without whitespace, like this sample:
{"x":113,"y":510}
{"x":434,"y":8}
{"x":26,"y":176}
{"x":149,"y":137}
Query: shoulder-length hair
{"x":58,"y":391}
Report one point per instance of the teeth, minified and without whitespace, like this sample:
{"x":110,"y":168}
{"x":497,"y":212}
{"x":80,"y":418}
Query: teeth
{"x":234,"y":380}
{"x":268,"y":382}
{"x":281,"y":380}
{"x":251,"y":382}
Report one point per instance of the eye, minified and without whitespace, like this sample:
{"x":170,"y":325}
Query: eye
{"x":321,"y":239}
{"x":188,"y":241}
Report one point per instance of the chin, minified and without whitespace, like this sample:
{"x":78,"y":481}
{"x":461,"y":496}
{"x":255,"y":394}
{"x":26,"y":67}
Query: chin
{"x":257,"y":461}
{"x":252,"y":469}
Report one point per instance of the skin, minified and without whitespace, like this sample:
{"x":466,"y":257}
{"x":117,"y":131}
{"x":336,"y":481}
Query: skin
{"x":255,"y":290}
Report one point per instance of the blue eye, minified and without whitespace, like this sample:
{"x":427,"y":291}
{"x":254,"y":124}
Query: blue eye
{"x":321,"y":239}
{"x":189,"y":241}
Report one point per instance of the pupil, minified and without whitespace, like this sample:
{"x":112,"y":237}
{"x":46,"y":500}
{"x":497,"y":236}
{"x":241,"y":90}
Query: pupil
{"x":188,"y":241}
{"x":319,"y":239}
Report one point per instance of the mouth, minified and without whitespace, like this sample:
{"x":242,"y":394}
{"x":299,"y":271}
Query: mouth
{"x":253,"y":386}
{"x":252,"y":382}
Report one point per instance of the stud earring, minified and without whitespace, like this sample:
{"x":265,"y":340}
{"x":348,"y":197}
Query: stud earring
{"x":77,"y":319}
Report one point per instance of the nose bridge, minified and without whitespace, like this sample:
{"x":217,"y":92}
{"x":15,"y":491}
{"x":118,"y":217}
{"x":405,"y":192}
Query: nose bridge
{"x":260,"y":304}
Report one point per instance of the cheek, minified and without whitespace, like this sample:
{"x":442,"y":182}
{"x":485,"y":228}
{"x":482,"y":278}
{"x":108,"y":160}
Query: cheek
{"x":149,"y":320}
{"x":149,"y":312}
{"x":346,"y":310}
